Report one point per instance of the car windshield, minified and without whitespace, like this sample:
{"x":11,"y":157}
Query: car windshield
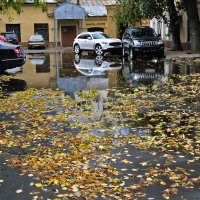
{"x":100,"y":36}
{"x":10,"y":35}
{"x":36,"y":37}
{"x":141,"y":33}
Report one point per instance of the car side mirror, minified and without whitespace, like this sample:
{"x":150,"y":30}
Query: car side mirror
{"x":89,"y":38}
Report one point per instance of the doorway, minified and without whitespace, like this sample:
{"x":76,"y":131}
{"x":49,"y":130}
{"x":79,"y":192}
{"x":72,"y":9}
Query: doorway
{"x":68,"y":33}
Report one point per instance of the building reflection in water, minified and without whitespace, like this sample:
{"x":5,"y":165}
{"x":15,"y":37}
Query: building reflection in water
{"x":89,"y":73}
{"x":71,"y":73}
{"x":38,"y":71}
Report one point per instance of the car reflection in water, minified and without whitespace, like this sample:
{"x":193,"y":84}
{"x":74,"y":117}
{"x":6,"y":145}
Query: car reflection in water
{"x":144,"y":72}
{"x":95,"y":66}
{"x":41,"y":61}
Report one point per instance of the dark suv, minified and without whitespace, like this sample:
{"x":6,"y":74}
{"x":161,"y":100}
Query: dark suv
{"x":11,"y":37}
{"x":141,"y":41}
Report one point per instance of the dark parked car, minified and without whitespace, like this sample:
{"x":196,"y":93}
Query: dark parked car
{"x":11,"y":56}
{"x":11,"y":37}
{"x":141,"y":41}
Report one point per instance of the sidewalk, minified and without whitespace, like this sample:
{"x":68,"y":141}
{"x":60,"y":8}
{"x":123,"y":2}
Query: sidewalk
{"x":170,"y":54}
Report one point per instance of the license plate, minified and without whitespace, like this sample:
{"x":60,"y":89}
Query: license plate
{"x":149,"y":70}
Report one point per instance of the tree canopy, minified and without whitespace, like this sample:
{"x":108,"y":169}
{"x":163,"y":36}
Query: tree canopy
{"x":10,"y":6}
{"x":132,"y":11}
{"x":148,"y":9}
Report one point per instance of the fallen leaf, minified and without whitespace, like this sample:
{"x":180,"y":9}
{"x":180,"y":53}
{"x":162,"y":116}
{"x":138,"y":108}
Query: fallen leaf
{"x":19,"y":191}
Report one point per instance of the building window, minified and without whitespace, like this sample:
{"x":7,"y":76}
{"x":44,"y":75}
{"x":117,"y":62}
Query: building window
{"x":14,"y":28}
{"x":42,"y":29}
{"x":95,"y":29}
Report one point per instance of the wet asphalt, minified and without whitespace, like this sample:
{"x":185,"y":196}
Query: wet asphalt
{"x":12,"y":179}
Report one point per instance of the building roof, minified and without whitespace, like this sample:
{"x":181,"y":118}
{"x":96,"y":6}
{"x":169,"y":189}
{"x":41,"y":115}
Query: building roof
{"x":95,"y":2}
{"x":95,"y":7}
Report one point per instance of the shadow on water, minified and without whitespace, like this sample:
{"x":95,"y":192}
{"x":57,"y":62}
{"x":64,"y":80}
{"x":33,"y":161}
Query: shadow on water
{"x":12,"y":85}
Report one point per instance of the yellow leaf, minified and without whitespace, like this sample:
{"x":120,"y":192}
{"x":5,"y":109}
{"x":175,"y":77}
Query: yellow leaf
{"x":125,"y":161}
{"x":75,"y":188}
{"x":162,"y":183}
{"x":123,"y":169}
{"x":101,"y":147}
{"x":19,"y":191}
{"x":30,"y":175}
{"x":38,"y":185}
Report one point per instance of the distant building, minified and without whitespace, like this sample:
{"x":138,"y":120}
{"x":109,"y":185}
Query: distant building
{"x":63,"y":21}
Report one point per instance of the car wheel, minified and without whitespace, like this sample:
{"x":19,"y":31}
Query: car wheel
{"x":98,"y":60}
{"x":77,"y":58}
{"x":77,"y":49}
{"x":98,"y":49}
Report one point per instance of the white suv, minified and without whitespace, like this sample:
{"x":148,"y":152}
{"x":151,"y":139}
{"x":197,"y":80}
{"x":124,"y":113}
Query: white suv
{"x":98,"y":42}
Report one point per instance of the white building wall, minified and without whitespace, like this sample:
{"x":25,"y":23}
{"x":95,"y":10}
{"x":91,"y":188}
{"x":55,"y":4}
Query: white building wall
{"x":160,"y":28}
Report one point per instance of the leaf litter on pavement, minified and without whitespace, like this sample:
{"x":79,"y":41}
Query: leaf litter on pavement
{"x":64,"y":143}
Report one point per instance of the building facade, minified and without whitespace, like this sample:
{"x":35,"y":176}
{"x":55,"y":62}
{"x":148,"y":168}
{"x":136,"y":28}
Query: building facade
{"x":63,"y":21}
{"x":161,"y":28}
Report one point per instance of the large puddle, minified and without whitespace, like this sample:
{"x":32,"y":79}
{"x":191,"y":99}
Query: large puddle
{"x":118,"y":111}
{"x":71,"y":73}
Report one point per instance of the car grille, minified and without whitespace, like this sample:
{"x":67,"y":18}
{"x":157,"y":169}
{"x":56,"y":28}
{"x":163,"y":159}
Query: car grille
{"x":149,"y":43}
{"x":114,"y":44}
{"x":146,"y":75}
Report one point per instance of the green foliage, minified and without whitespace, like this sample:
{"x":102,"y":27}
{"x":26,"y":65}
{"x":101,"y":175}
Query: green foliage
{"x":153,"y":9}
{"x":9,"y":7}
{"x":132,"y":11}
{"x":128,"y":11}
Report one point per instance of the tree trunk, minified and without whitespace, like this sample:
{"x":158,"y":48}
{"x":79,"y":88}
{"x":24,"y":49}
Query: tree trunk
{"x":174,"y":26}
{"x":194,"y":24}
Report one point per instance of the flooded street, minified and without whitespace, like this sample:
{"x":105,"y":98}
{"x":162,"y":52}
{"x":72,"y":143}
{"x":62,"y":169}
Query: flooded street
{"x":86,"y":127}
{"x":70,"y":73}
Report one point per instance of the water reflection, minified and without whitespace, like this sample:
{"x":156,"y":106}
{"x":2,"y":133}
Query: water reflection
{"x":71,"y":73}
{"x":97,"y":73}
{"x":41,"y":62}
{"x":144,"y":72}
{"x":95,"y":66}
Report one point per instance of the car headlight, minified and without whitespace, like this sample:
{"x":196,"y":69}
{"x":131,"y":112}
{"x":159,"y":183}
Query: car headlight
{"x":104,"y":43}
{"x":160,"y":42}
{"x":135,"y":42}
